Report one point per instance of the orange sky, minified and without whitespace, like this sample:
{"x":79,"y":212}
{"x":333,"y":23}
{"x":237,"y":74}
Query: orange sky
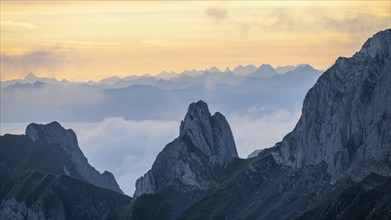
{"x":88,"y":40}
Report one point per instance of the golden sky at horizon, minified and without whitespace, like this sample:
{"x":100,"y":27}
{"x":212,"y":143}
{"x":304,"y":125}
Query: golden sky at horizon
{"x":86,"y":40}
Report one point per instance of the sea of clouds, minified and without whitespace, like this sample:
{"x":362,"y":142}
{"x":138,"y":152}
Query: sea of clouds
{"x":129,"y":148}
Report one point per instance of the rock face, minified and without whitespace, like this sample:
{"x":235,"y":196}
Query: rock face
{"x":54,"y":134}
{"x":335,"y":164}
{"x":205,"y":144}
{"x":210,"y":134}
{"x":44,"y":175}
{"x":346,"y":117}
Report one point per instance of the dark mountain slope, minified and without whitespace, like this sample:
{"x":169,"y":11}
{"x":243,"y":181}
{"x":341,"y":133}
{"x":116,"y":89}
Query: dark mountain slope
{"x":341,"y":143}
{"x":44,"y":175}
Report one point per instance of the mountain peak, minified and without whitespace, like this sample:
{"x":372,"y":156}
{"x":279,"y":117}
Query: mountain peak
{"x":211,"y":134}
{"x":213,"y":69}
{"x":56,"y":135}
{"x":244,"y":70}
{"x":344,"y":121}
{"x":198,"y":109}
{"x":266,"y":66}
{"x":30,"y":77}
{"x":205,"y":143}
{"x":52,"y":133}
{"x":378,"y":45}
{"x":305,"y":69}
{"x":265,"y":70}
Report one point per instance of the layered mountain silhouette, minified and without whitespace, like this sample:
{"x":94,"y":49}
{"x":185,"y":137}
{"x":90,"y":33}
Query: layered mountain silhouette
{"x":44,"y":175}
{"x":335,"y":164}
{"x":204,"y":146}
{"x":154,"y":98}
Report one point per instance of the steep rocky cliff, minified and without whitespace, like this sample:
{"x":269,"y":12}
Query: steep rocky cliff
{"x":335,"y":164}
{"x":205,"y":145}
{"x":54,"y":134}
{"x":44,"y":175}
{"x":346,"y":117}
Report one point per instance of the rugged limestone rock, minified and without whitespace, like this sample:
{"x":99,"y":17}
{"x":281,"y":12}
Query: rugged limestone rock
{"x":44,"y":175}
{"x":54,"y":134}
{"x":210,"y":134}
{"x":205,"y":144}
{"x":346,"y":117}
{"x":335,"y":164}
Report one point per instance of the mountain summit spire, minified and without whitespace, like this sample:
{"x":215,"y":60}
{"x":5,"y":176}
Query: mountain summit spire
{"x":205,"y":143}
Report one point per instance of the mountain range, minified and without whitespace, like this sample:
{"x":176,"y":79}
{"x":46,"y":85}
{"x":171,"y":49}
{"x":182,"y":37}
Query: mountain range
{"x":147,"y":97}
{"x":335,"y":164}
{"x":265,"y":70}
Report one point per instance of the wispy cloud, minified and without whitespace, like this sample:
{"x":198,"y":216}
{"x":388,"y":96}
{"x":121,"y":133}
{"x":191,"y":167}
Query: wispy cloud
{"x":84,"y":43}
{"x":217,"y":13}
{"x":161,"y":43}
{"x":303,"y":19}
{"x":18,"y":24}
{"x":35,"y":61}
{"x":158,"y":43}
{"x":129,"y":148}
{"x":258,"y":133}
{"x":311,"y":18}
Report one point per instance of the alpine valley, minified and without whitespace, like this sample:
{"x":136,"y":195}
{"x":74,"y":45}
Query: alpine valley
{"x":335,"y":164}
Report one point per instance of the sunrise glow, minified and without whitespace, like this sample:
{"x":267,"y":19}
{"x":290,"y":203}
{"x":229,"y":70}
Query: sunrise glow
{"x":89,"y":40}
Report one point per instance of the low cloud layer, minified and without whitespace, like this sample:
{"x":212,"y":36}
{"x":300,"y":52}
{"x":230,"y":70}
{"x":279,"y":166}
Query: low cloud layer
{"x":252,"y":134}
{"x":126,"y":148}
{"x":49,"y":102}
{"x":129,"y":148}
{"x":35,"y":61}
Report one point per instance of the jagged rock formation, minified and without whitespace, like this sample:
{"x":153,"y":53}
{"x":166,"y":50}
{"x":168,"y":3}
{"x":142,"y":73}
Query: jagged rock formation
{"x":210,"y":134}
{"x":44,"y":175}
{"x":54,"y":134}
{"x":205,"y":144}
{"x":335,"y":164}
{"x":346,"y":117}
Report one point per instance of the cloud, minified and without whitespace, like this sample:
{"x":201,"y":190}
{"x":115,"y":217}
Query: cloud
{"x":308,"y":19}
{"x":126,"y":148}
{"x":84,"y":43}
{"x":129,"y":148}
{"x":319,"y":19}
{"x":42,"y":102}
{"x":217,"y":13}
{"x":159,"y":43}
{"x":251,"y":134}
{"x":36,"y":61}
{"x":17,"y":24}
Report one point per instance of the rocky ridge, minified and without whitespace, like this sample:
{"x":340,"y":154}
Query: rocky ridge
{"x":335,"y":164}
{"x":54,"y":134}
{"x":205,"y":144}
{"x":346,"y":117}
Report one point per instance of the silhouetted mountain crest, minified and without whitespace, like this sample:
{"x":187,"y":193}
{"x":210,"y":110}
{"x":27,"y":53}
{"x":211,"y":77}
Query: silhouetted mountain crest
{"x":345,"y":121}
{"x":54,"y":134}
{"x":205,"y":144}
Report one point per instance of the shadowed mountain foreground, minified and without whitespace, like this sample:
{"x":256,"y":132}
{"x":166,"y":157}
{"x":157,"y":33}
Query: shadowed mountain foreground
{"x":335,"y":164}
